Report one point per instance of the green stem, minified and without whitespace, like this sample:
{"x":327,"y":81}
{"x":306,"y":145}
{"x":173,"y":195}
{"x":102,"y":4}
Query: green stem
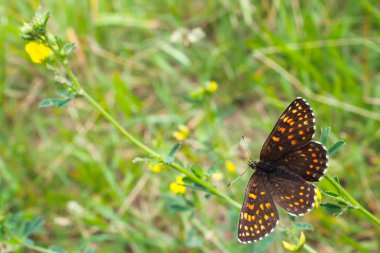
{"x":127,"y":135}
{"x":143,"y":147}
{"x":155,"y":155}
{"x":353,"y":200}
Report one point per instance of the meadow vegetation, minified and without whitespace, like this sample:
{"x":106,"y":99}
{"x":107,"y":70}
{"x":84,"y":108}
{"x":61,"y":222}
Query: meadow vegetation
{"x":126,"y":143}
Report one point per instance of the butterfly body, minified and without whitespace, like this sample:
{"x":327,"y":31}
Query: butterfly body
{"x":267,"y":167}
{"x":289,"y":162}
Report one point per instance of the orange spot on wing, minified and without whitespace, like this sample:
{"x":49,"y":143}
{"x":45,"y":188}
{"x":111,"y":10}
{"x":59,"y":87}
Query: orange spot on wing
{"x":276,"y":139}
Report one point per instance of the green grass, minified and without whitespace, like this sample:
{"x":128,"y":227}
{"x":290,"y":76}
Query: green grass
{"x":262,"y":55}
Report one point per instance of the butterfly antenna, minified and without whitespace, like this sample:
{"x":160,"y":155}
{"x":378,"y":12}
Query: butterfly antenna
{"x":229,"y":184}
{"x":246,"y":146}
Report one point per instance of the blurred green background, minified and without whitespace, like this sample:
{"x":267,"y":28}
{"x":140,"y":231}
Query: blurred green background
{"x":146,"y":62}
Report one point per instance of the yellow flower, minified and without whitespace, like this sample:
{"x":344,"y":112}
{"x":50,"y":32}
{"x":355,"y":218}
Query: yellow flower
{"x":319,"y":197}
{"x":230,"y":166}
{"x":182,"y":133}
{"x":38,"y":52}
{"x":211,"y":87}
{"x":177,"y":187}
{"x":294,"y":248}
{"x":155,"y":167}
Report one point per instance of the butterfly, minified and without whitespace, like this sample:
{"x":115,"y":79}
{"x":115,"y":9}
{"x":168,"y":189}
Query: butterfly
{"x":289,"y":164}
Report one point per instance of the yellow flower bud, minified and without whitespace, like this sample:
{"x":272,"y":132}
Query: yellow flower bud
{"x":294,"y":248}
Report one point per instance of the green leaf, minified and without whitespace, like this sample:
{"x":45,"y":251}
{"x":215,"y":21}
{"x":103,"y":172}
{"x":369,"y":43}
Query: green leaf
{"x":68,"y":48}
{"x":187,"y":180}
{"x":336,"y":179}
{"x":198,"y":171}
{"x":49,"y":102}
{"x":336,"y":147}
{"x":177,"y":207}
{"x":170,"y":158}
{"x":303,"y":226}
{"x":59,"y":103}
{"x":325,"y":135}
{"x":33,"y":226}
{"x":333,"y":194}
{"x":63,"y":103}
{"x":330,"y":207}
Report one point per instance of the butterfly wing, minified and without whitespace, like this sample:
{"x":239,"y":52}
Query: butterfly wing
{"x":258,"y":215}
{"x":294,"y":129}
{"x":309,"y":161}
{"x":292,"y":192}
